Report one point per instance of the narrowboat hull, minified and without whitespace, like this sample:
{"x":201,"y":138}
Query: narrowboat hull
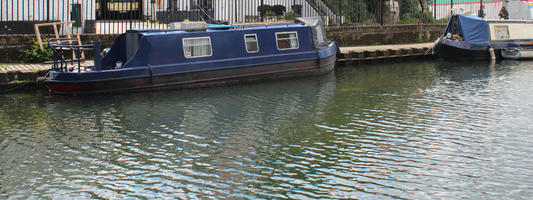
{"x":449,"y":51}
{"x":455,"y":52}
{"x":197,"y":79}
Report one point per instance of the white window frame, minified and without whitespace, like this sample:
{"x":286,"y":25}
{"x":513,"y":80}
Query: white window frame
{"x":193,"y":38}
{"x":297,"y":40}
{"x":256,"y":42}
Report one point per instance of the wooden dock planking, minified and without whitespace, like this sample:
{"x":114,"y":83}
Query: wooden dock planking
{"x":362,"y":53}
{"x":11,"y":68}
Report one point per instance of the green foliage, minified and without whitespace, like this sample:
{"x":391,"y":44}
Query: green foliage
{"x":270,"y":13}
{"x":414,"y":17}
{"x":369,"y":11}
{"x":35,"y":54}
{"x":419,"y":39}
{"x":357,"y":12}
{"x":426,"y":17}
{"x":290,"y":16}
{"x":408,"y":8}
{"x":442,"y":21}
{"x":354,"y":11}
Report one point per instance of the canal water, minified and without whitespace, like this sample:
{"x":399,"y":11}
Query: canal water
{"x":414,"y":130}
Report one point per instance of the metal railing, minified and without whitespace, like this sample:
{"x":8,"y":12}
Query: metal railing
{"x":61,"y":63}
{"x":117,"y":16}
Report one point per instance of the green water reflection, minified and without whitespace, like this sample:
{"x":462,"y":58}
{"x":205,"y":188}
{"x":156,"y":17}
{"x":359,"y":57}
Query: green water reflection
{"x":411,"y":130}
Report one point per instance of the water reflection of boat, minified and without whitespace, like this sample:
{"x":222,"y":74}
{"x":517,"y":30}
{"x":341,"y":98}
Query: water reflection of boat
{"x":204,"y":110}
{"x":196,"y":55}
{"x":468,"y":37}
{"x":517,"y":53}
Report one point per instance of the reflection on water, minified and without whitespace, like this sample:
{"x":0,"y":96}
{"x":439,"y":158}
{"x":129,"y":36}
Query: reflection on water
{"x":419,"y":130}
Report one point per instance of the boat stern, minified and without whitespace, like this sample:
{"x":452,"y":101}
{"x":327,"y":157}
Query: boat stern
{"x":328,"y":57}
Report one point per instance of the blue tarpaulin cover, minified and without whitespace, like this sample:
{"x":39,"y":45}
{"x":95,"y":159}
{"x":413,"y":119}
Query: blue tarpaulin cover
{"x":473,"y":28}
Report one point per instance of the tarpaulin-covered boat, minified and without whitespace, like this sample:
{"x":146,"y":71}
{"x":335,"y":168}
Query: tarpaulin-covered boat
{"x":468,"y":37}
{"x":195,"y":54}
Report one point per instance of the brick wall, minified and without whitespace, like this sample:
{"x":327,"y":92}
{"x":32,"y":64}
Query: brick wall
{"x":386,"y":34}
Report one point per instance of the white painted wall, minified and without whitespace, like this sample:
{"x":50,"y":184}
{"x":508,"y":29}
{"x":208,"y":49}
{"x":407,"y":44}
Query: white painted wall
{"x":517,"y":9}
{"x":232,"y":11}
{"x":40,"y":10}
{"x":59,"y":10}
{"x":235,"y":11}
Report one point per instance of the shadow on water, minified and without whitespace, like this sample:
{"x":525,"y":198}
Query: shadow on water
{"x":393,"y":130}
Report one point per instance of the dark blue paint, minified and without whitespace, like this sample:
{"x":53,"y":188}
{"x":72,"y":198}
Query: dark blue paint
{"x":163,"y":48}
{"x":116,"y":53}
{"x":161,"y":53}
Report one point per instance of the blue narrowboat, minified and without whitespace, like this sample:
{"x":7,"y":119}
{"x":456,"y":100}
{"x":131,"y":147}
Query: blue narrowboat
{"x":468,"y":37}
{"x":197,"y":55}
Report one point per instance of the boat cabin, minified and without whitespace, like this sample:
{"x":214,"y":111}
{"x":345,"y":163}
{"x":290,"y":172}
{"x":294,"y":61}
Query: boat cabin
{"x":231,"y":44}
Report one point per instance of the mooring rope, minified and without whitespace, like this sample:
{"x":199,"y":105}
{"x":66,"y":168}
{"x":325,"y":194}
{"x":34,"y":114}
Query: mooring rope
{"x":15,"y":88}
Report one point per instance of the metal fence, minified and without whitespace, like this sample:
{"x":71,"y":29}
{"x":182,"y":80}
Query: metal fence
{"x":117,"y":16}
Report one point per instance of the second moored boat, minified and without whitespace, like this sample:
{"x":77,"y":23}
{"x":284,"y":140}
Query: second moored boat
{"x":468,"y":37}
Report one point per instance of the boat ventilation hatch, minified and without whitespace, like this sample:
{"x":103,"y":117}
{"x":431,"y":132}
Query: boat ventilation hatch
{"x":188,"y":26}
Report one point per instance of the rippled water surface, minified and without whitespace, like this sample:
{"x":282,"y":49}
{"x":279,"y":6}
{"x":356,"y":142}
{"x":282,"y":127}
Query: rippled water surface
{"x":416,"y":130}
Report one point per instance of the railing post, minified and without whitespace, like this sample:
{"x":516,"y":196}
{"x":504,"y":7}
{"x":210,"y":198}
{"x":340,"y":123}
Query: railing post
{"x":48,"y":10}
{"x":451,"y":8}
{"x":261,"y":13}
{"x":341,"y":2}
{"x":97,"y":58}
{"x":481,"y":12}
{"x":382,"y":2}
{"x":435,"y":9}
{"x":131,"y":12}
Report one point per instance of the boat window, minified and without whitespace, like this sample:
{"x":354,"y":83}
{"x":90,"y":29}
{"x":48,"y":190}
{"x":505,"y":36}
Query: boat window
{"x":501,"y":32}
{"x":251,"y":43}
{"x":197,"y":47}
{"x":287,"y":40}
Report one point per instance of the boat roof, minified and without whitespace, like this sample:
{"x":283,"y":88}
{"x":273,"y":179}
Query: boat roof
{"x":217,"y":28}
{"x":473,"y":28}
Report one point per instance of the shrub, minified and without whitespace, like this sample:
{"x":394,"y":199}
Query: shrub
{"x":289,"y":16}
{"x":35,"y":54}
